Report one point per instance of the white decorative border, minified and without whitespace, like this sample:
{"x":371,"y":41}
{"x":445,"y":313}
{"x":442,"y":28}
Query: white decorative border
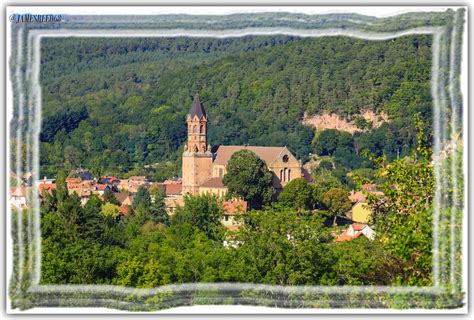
{"x":34,"y":102}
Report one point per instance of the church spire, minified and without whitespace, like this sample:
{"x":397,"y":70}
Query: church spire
{"x":197,"y":109}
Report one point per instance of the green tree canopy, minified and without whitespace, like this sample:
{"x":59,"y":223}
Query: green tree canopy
{"x":297,"y":194}
{"x":336,"y":201}
{"x":248,"y":177}
{"x":141,"y":198}
{"x":203,"y":211}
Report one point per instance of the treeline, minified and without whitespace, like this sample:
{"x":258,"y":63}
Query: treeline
{"x":255,"y":90}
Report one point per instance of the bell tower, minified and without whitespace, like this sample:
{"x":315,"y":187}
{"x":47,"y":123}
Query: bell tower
{"x":197,"y":126}
{"x":197,"y":156}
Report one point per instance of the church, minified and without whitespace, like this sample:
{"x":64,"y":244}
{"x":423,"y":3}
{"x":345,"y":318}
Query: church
{"x":203,"y":170}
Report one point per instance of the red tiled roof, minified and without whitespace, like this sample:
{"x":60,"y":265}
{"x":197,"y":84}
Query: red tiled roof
{"x":346,"y":237}
{"x":121,"y":196}
{"x":123,"y":210}
{"x":213,"y":183}
{"x":73,"y":180}
{"x":171,"y":189}
{"x":46,"y":186}
{"x":173,"y":181}
{"x":232,"y":207}
{"x":357,"y":227}
{"x":267,"y":154}
{"x":18,"y":192}
{"x":80,"y":192}
{"x":101,"y":186}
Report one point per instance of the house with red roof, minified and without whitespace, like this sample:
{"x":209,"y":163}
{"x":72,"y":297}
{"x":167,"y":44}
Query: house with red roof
{"x":18,"y":196}
{"x":49,"y":187}
{"x":356,"y":230}
{"x":233,"y":208}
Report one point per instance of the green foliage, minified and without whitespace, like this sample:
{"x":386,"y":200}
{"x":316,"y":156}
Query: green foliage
{"x":256,"y":90}
{"x":141,"y":198}
{"x":67,"y":120}
{"x":362,"y":262}
{"x":297,"y":194}
{"x":403,"y":218}
{"x":248,"y":177}
{"x":336,"y":201}
{"x":327,"y":142}
{"x":204,"y":212}
{"x":110,"y":210}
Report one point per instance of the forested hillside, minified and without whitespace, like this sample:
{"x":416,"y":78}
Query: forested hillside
{"x":115,"y":105}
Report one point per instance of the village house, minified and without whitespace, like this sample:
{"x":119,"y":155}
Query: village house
{"x":125,"y":199}
{"x":356,"y":230}
{"x":361,"y":211}
{"x":132,"y":184}
{"x":48,"y":187}
{"x":18,"y":197}
{"x":233,"y":208}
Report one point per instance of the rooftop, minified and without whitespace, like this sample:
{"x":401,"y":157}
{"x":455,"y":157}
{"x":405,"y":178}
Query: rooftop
{"x":267,"y":154}
{"x":197,"y":109}
{"x":213,"y":183}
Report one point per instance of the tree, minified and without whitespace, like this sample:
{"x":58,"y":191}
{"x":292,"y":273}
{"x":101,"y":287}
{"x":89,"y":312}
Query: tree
{"x":280,"y":246}
{"x":326,"y":142}
{"x":323,"y":181}
{"x":297,"y":194}
{"x":336,"y":200}
{"x":158,"y":207}
{"x":248,"y":177}
{"x":110,"y":210}
{"x":203,"y":211}
{"x":142,"y":198}
{"x":403,"y":217}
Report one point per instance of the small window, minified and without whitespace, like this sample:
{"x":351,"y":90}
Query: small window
{"x":195,"y":129}
{"x":202,"y":129}
{"x":285,"y":158}
{"x":289,"y":174}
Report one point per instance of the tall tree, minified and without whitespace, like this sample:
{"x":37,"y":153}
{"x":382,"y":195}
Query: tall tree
{"x":337,"y":202}
{"x":203,"y":211}
{"x":297,"y":194}
{"x":248,"y":178}
{"x":141,"y":198}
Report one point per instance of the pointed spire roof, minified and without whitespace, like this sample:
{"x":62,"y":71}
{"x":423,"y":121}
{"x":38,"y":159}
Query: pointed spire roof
{"x":197,"y":108}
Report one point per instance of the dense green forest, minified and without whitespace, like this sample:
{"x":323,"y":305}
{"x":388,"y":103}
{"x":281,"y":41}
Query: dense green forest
{"x":287,"y":242}
{"x":116,"y":105}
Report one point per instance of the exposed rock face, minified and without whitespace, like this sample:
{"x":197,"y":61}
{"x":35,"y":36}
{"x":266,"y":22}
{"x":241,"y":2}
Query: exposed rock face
{"x":333,"y":121}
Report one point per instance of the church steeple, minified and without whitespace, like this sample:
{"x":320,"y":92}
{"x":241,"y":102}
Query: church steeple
{"x":197,"y":156}
{"x":197,"y":109}
{"x":197,"y":127}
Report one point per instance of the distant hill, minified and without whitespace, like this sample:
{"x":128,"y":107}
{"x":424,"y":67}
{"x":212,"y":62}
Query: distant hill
{"x":132,"y":94}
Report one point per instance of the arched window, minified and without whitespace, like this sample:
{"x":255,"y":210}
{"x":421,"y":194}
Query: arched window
{"x":289,"y":174}
{"x":281,"y":175}
{"x":195,"y":129}
{"x":284,"y":174}
{"x":202,"y":129}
